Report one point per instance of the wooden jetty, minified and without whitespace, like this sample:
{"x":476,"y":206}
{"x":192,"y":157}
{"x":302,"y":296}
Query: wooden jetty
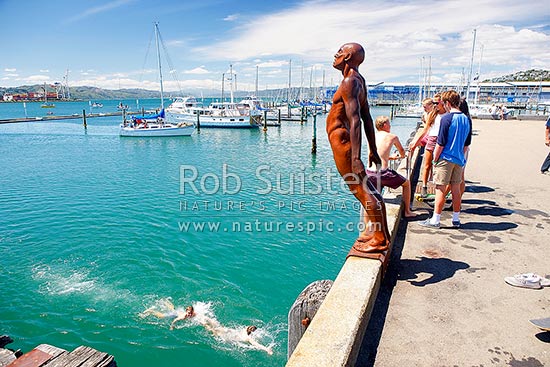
{"x":61,"y":117}
{"x":46,"y":355}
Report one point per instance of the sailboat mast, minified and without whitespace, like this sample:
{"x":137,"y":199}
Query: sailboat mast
{"x":256,"y":81}
{"x":471,"y":66}
{"x":231,"y":76}
{"x":478,"y":76}
{"x":159,"y":64}
{"x":289,"y":84}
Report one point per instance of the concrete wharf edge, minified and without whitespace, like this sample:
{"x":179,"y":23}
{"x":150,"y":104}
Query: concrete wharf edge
{"x":443,"y":301}
{"x":335,"y":334}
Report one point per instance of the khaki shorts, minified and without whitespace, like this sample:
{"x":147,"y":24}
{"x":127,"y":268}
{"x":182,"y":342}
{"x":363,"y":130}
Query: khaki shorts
{"x":446,"y":172}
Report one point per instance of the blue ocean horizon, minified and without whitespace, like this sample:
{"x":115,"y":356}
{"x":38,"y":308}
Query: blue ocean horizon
{"x":95,"y":228}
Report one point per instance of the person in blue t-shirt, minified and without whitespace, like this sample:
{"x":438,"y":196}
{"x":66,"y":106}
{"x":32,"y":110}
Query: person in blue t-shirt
{"x":455,"y":136}
{"x":546,"y":164}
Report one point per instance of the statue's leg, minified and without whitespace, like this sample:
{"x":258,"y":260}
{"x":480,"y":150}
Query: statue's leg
{"x":376,"y":237}
{"x":376,"y":240}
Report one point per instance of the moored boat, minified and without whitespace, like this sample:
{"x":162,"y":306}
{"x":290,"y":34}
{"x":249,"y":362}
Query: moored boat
{"x":245,"y":114}
{"x":156,"y":125}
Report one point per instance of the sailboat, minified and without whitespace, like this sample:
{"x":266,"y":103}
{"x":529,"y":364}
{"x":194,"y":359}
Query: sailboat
{"x":46,"y":104}
{"x":155,"y":124}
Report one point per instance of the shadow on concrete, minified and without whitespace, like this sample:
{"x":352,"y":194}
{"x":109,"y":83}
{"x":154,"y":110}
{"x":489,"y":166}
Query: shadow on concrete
{"x":478,"y":202}
{"x":371,"y":340}
{"x":439,"y":268}
{"x":489,"y":227}
{"x":494,"y":211}
{"x":544,"y":336}
{"x":478,"y":188}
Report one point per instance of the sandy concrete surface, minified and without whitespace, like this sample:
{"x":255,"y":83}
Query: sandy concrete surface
{"x":443,"y":301}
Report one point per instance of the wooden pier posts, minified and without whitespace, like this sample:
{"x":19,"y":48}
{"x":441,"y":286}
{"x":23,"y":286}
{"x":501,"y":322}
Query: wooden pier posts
{"x":198,"y":122}
{"x":84,"y":119}
{"x":314,"y":138}
{"x":265,"y":120}
{"x":304,"y":309}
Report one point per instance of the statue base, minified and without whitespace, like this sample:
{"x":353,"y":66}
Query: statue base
{"x":360,"y":249}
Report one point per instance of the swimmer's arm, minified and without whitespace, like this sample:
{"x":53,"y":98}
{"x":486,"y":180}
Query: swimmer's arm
{"x":259,"y":346}
{"x":179,"y":318}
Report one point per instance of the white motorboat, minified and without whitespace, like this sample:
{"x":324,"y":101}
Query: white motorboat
{"x":245,"y":114}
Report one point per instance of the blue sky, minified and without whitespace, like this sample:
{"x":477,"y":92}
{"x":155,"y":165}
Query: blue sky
{"x":105,"y":43}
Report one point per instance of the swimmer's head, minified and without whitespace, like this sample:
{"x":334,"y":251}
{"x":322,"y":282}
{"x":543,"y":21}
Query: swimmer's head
{"x":250,"y":329}
{"x":189,"y":311}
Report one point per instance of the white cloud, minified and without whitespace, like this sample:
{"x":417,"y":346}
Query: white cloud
{"x":231,"y":17}
{"x":396,"y":35}
{"x":98,"y":9}
{"x":273,"y":64}
{"x":10,"y":70}
{"x":44,"y":71}
{"x":199,"y":70}
{"x":36,"y":79}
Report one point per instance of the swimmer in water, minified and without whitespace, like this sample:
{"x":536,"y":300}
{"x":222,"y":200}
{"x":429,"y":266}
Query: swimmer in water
{"x":209,"y":323}
{"x":171,"y":312}
{"x":234,"y":335}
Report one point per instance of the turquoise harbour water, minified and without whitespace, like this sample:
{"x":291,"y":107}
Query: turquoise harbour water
{"x":95,"y":228}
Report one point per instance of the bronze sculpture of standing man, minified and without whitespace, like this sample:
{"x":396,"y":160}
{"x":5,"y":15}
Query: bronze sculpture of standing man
{"x":349,"y":107}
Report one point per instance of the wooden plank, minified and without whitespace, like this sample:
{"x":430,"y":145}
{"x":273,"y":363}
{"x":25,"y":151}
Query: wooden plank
{"x":99,"y":359}
{"x":84,"y":357}
{"x":34,"y":358}
{"x":6,"y":357}
{"x":51,"y":350}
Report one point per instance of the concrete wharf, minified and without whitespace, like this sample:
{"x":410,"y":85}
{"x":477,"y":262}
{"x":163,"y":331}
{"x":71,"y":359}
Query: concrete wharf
{"x":443,"y":300}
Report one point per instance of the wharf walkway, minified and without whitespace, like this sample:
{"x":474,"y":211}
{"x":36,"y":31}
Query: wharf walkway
{"x":443,"y":300}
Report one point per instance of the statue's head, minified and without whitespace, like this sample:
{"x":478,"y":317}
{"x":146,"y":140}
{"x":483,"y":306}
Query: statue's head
{"x":351,"y":54}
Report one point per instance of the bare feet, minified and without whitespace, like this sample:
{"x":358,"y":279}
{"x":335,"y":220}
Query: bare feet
{"x":370,"y":244}
{"x":410,"y":214}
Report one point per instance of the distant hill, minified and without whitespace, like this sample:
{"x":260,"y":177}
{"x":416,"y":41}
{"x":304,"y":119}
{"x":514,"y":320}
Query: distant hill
{"x":85,"y":93}
{"x":532,"y":75}
{"x":93,"y":93}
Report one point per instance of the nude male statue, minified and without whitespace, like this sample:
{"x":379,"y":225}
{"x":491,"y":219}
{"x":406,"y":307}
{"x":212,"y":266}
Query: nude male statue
{"x":349,"y":107}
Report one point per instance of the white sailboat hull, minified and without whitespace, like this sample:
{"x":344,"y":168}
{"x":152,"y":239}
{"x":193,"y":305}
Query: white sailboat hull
{"x":157,"y":131}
